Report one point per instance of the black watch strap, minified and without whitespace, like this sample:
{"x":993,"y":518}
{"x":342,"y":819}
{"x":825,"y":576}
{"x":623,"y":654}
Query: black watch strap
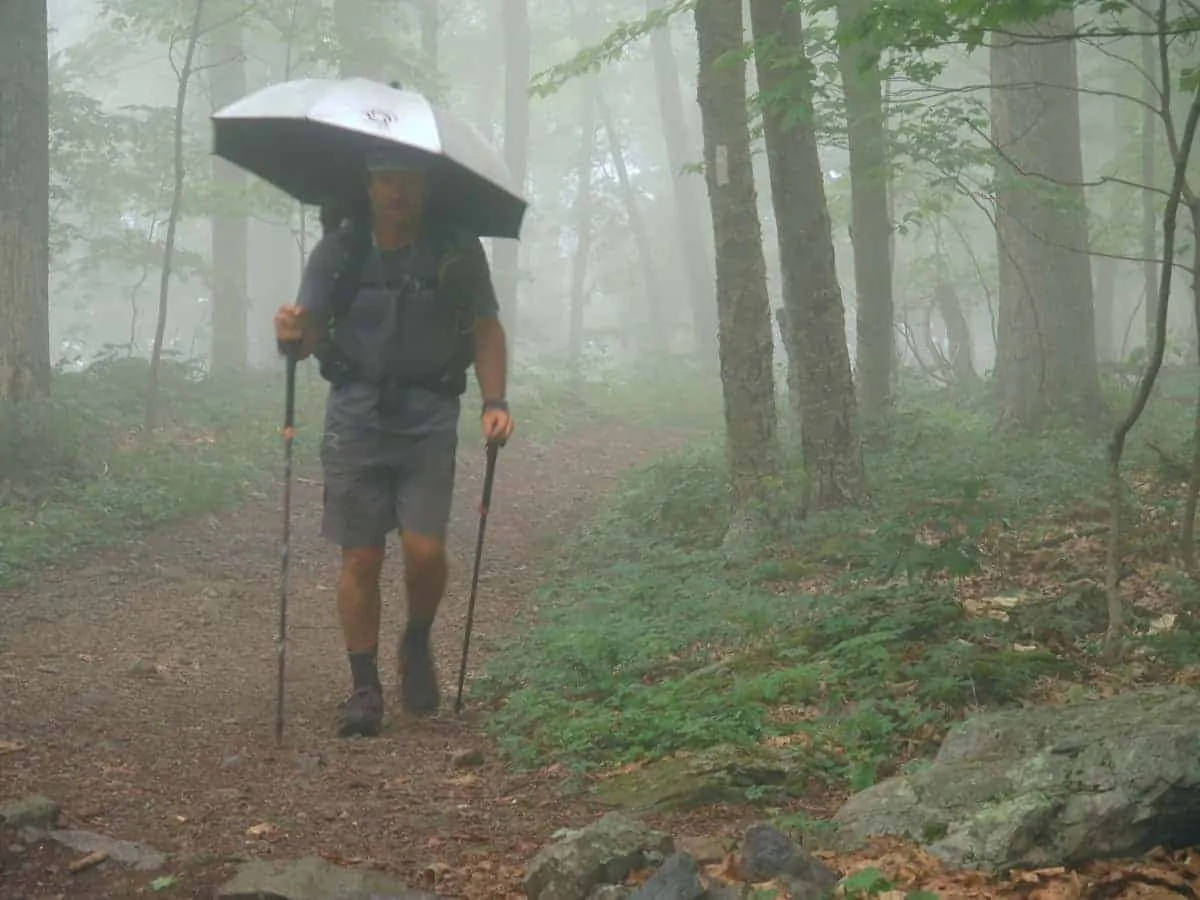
{"x":500,"y":404}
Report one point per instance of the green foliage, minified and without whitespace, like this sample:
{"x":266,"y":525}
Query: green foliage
{"x":79,"y":473}
{"x":844,"y":639}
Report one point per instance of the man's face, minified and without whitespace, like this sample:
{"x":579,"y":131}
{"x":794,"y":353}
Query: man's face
{"x":397,"y":195}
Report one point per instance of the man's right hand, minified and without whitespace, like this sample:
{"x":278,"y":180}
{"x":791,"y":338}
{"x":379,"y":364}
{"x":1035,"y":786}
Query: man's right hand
{"x":293,"y":332}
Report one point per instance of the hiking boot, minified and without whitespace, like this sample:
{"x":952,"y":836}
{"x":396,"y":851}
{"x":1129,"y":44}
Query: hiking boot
{"x":362,"y":713}
{"x":418,"y":678}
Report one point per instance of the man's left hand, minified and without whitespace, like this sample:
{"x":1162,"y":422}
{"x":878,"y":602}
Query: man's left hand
{"x":497,"y":425}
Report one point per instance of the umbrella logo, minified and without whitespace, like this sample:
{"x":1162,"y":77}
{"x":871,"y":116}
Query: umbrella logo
{"x":380,"y":117}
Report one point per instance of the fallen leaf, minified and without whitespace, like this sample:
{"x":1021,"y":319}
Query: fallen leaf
{"x":10,"y":747}
{"x":261,"y":829}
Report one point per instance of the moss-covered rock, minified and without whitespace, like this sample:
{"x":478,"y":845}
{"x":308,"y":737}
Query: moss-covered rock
{"x":1051,"y":786}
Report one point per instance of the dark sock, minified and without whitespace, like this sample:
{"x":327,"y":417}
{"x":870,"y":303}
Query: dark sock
{"x":364,"y":667}
{"x":417,"y":632}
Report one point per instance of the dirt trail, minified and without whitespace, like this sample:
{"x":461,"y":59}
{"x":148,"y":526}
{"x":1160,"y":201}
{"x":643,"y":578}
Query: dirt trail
{"x":142,"y":686}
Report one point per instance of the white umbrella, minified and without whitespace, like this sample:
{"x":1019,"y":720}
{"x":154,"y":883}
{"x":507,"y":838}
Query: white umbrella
{"x":311,"y":137}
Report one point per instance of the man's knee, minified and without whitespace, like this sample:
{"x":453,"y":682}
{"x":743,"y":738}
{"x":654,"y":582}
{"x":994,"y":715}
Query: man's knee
{"x":362,"y":564}
{"x":423,"y":552}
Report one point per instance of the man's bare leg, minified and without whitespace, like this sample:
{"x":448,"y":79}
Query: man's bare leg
{"x":425,"y":572}
{"x":358,"y":609}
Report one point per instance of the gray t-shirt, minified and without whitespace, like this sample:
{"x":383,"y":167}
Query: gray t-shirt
{"x":383,"y":327}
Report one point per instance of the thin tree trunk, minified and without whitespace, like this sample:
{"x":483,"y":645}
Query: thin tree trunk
{"x":870,"y":216}
{"x":657,"y":337}
{"x":687,"y":192}
{"x":583,"y":219}
{"x":24,"y":202}
{"x":833,"y":460}
{"x":164,"y":287}
{"x":1150,"y":102}
{"x":515,"y":20}
{"x":744,"y":338}
{"x":230,"y":228}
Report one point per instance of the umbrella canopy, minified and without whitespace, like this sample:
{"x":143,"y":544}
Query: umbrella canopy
{"x":311,"y":138}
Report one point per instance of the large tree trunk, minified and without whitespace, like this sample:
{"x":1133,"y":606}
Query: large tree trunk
{"x":24,"y":202}
{"x":583,"y":219}
{"x":870,"y":216}
{"x":1046,"y":360}
{"x":688,"y":194}
{"x":515,"y":19}
{"x":744,"y":335}
{"x":230,"y":229}
{"x":815,"y":316}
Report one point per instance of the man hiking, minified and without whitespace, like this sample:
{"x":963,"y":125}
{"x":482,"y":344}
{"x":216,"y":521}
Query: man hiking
{"x":396,"y":306}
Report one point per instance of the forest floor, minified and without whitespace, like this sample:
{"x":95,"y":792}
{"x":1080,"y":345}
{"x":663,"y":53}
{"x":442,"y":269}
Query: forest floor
{"x":137,"y":684}
{"x":139,"y":693}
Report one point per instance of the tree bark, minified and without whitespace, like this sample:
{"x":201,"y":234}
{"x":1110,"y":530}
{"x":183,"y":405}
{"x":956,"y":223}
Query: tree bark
{"x":1046,"y":360}
{"x":870,"y":216}
{"x":515,"y":20}
{"x":24,"y":202}
{"x":230,"y":228}
{"x":687,"y":194}
{"x":744,"y":319}
{"x":829,"y":440}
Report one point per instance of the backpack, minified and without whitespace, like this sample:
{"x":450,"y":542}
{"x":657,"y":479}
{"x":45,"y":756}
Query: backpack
{"x":354,"y":240}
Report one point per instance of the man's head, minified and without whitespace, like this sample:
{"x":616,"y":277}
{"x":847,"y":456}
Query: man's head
{"x":396,"y":189}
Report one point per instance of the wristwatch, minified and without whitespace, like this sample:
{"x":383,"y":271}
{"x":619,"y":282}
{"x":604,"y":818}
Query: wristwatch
{"x":498,"y":403}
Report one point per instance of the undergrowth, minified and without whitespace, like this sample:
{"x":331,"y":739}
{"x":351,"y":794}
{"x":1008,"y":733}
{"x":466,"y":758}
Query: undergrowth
{"x":79,"y":471}
{"x":846,"y":640}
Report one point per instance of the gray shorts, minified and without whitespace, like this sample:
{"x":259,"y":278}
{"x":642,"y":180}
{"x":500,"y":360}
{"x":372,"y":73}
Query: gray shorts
{"x":364,"y":503}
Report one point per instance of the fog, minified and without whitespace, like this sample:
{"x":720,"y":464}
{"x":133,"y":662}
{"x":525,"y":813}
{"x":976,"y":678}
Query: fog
{"x":833,"y":431}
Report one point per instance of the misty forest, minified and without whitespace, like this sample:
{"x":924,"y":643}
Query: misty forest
{"x":846,"y":543}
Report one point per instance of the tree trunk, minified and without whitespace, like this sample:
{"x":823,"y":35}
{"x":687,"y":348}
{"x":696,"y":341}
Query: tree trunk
{"x":744,"y":333}
{"x":1046,"y":360}
{"x":583,"y":219}
{"x":1150,"y":102}
{"x":164,"y":285}
{"x":24,"y":202}
{"x":687,"y":193}
{"x":230,"y":228}
{"x":515,"y":20}
{"x":656,"y":339}
{"x":958,"y":333}
{"x":829,"y":440}
{"x":870,"y":216}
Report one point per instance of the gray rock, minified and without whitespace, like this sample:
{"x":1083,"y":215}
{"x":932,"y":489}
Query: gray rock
{"x":677,"y":879}
{"x":137,"y":856}
{"x":312,"y":878}
{"x":767,"y":853}
{"x":605,"y":852}
{"x":34,"y":811}
{"x":1047,"y":787}
{"x":610,"y":892}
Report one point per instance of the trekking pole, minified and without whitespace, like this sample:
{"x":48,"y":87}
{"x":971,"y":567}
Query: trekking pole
{"x":289,"y":436}
{"x":489,"y":476}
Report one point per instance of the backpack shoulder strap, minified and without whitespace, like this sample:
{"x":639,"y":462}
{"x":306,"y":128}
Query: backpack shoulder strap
{"x":354,"y":241}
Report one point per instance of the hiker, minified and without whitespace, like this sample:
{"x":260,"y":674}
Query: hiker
{"x":415,"y":309}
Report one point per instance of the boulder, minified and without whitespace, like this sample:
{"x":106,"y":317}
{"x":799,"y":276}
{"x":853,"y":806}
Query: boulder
{"x":604,"y":852}
{"x":312,"y":878}
{"x":1047,"y":786}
